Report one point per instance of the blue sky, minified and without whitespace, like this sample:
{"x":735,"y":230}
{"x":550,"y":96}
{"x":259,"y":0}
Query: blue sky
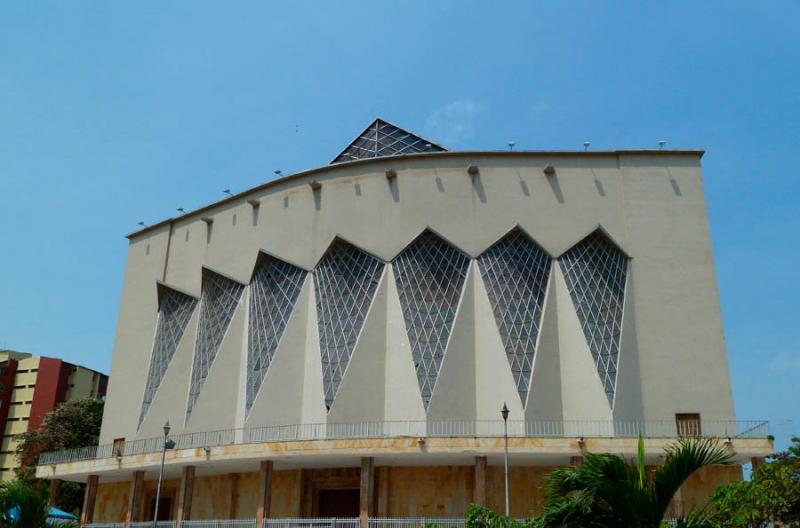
{"x":114,"y":112}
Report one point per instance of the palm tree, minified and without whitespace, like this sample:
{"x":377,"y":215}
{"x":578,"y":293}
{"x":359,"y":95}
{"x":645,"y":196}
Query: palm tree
{"x":607,"y":491}
{"x":23,"y":505}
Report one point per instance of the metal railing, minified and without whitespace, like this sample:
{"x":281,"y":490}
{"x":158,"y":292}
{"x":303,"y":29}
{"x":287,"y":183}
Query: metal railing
{"x":421,"y":429}
{"x":330,"y":522}
{"x":416,"y":522}
{"x":221,"y":523}
{"x":136,"y":524}
{"x":327,"y":522}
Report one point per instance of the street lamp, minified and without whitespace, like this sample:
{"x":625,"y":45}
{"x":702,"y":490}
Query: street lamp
{"x":504,"y":412}
{"x":168,"y":444}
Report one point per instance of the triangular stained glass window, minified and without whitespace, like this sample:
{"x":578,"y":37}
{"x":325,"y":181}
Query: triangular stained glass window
{"x":595,"y":271}
{"x":515,"y":271}
{"x":382,"y":138}
{"x":218,"y":301}
{"x":174,"y":311}
{"x":273,"y":294}
{"x":430,"y":276}
{"x":345,"y":281}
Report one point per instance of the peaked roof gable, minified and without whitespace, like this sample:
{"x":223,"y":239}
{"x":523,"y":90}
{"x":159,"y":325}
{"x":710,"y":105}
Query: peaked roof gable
{"x":382,"y":138}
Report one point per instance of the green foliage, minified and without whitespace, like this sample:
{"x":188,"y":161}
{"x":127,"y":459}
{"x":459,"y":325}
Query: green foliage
{"x":771,"y":496}
{"x":607,"y":491}
{"x":480,"y":517}
{"x":23,"y":505}
{"x":72,"y":424}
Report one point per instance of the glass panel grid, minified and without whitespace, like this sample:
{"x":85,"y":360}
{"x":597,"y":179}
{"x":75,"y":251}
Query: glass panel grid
{"x":218,"y":301}
{"x":515,"y":271}
{"x":430,"y":276}
{"x":175,"y":310}
{"x":385,"y":139}
{"x":595,"y":271}
{"x":345,"y":282}
{"x":273,"y":294}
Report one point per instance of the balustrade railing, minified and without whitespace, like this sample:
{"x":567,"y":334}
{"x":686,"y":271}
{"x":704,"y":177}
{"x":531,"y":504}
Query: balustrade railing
{"x":220,"y":523}
{"x":149,"y":524}
{"x":420,"y":429}
{"x":325,"y":522}
{"x":328,"y":522}
{"x":416,"y":522}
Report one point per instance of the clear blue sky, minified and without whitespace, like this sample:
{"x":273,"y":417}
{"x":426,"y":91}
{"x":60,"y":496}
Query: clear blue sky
{"x":114,"y":112}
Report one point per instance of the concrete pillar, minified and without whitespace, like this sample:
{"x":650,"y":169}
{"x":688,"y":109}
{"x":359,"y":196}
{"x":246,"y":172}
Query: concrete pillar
{"x":135,"y":498}
{"x":55,"y":492}
{"x":575,"y":461}
{"x":757,"y":462}
{"x":183,"y":511}
{"x":479,"y":490}
{"x":234,"y":511}
{"x":89,"y":497}
{"x":264,"y":492}
{"x":367,"y":490}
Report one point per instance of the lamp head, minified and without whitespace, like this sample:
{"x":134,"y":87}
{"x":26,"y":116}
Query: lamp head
{"x":505,"y":411}
{"x":167,"y":428}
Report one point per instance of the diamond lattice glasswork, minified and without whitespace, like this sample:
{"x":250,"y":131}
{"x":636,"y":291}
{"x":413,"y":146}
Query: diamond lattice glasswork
{"x":175,"y":310}
{"x":515,"y":271}
{"x":217,"y":303}
{"x":273,"y":293}
{"x":385,"y":139}
{"x":345,"y":281}
{"x":595,"y":271}
{"x":430,"y":275}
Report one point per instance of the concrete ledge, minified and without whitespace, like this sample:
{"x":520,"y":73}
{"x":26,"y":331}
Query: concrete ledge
{"x":530,"y":451}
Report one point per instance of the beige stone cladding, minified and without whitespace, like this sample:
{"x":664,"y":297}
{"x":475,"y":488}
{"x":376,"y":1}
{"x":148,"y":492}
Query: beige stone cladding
{"x":443,"y":491}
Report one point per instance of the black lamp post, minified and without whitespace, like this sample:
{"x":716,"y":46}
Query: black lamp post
{"x":168,"y":444}
{"x":504,"y":412}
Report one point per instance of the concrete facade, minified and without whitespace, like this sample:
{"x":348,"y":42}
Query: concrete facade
{"x":347,"y":399}
{"x":650,"y":204}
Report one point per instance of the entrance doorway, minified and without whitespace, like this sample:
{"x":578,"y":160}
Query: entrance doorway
{"x":339,"y":503}
{"x":164,"y":508}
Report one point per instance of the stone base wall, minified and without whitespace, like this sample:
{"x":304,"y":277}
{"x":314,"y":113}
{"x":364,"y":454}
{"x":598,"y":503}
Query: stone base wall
{"x":112,"y":502}
{"x":438,"y":491}
{"x":695,"y":492}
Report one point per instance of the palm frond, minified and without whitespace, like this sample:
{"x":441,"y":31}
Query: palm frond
{"x":682,"y":459}
{"x":23,"y":505}
{"x":602,"y":483}
{"x":640,"y":463}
